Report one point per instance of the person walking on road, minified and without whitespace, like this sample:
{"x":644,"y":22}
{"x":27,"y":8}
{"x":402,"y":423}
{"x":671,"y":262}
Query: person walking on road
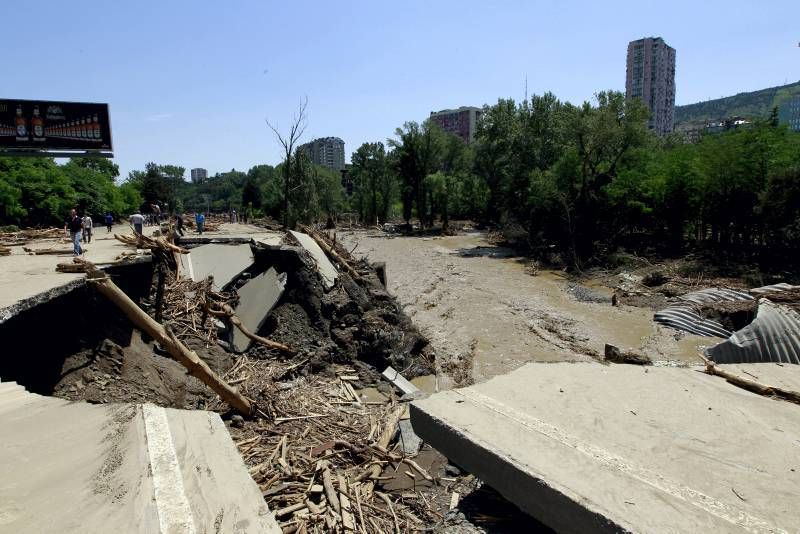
{"x":109,"y":221}
{"x":74,"y":226}
{"x":137,"y":220}
{"x":87,"y":228}
{"x":179,"y":223}
{"x":200,"y":219}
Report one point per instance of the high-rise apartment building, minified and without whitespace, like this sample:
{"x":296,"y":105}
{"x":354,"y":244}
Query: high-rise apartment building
{"x":199,"y":175}
{"x":325,"y":151}
{"x":650,"y":76}
{"x":462,"y":122}
{"x":789,"y":113}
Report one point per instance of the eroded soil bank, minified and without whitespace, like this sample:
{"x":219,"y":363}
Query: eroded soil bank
{"x":485,"y":315}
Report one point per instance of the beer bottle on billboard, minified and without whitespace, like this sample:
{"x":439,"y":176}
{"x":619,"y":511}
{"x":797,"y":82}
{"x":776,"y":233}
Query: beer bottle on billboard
{"x":21,"y":123}
{"x":72,"y":128}
{"x":82,"y":134}
{"x":96,"y":127}
{"x":37,"y":124}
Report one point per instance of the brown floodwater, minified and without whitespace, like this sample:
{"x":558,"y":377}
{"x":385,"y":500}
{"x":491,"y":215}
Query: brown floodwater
{"x":482,"y":311}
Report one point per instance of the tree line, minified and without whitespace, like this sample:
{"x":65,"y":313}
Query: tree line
{"x":586,"y":180}
{"x":580,"y":180}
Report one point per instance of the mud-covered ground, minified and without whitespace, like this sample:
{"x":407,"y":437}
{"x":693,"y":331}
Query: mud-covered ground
{"x":485,"y":314}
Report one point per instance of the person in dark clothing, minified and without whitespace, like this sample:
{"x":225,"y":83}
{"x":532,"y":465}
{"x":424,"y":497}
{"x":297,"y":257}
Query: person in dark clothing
{"x":179,"y":224}
{"x":109,"y":221}
{"x":74,"y":226}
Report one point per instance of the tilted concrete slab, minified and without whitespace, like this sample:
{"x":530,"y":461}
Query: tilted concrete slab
{"x":256,"y":299}
{"x":223,"y":262}
{"x":326,"y":270}
{"x":587,"y":447}
{"x":76,"y":467}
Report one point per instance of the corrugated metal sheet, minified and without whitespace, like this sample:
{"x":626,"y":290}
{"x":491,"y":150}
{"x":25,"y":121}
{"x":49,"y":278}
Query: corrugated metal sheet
{"x":773,"y":336}
{"x":773,"y":288}
{"x":684,"y":314}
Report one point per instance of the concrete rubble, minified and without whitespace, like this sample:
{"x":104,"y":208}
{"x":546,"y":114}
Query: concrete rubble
{"x":399,"y":381}
{"x":77,"y":467}
{"x":588,"y":447}
{"x":256,"y":299}
{"x":326,"y":269}
{"x":223,"y":262}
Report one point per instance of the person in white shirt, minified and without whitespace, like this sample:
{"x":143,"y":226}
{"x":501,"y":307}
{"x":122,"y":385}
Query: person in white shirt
{"x":137,"y":220}
{"x":87,"y":228}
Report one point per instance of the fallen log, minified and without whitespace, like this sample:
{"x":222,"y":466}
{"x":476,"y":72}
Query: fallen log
{"x":53,"y":251}
{"x":186,"y":357}
{"x":71,"y":268}
{"x":752,"y":385}
{"x":227,"y":311}
{"x":332,"y":253}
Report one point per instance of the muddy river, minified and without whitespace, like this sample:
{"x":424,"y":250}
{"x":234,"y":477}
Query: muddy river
{"x":485,"y":315}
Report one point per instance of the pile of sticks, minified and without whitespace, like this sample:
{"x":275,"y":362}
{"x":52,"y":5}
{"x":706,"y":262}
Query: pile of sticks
{"x":142,"y":241}
{"x":335,"y":251}
{"x":184,"y":308}
{"x":320,"y":452}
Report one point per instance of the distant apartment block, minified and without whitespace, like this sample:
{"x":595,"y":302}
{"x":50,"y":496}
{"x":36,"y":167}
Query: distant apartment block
{"x":199,"y":175}
{"x":462,"y":122}
{"x":650,"y":76}
{"x":789,"y":113}
{"x":325,"y":151}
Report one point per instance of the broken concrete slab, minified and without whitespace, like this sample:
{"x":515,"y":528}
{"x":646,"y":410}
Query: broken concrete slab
{"x":223,"y":262}
{"x":326,"y":270}
{"x":587,"y":447}
{"x":77,"y":467}
{"x":409,"y":441}
{"x":256,"y":299}
{"x":399,"y":380}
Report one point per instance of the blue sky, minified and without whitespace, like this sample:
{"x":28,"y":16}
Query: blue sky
{"x":191,"y":82}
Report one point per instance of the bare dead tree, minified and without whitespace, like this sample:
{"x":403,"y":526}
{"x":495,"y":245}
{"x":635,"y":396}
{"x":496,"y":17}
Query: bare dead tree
{"x":288,"y":143}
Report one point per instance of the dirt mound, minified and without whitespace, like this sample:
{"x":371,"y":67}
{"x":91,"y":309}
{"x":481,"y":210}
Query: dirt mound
{"x":351,"y":322}
{"x":136,"y":373}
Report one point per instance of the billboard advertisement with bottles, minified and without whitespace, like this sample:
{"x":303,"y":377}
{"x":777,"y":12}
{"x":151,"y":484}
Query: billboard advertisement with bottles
{"x":46,"y":125}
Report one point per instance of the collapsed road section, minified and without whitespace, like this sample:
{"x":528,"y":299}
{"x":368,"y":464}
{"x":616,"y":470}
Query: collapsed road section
{"x":78,"y":467}
{"x":317,"y":428}
{"x":609,"y":448}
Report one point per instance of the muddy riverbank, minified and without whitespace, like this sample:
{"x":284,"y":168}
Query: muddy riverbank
{"x":485,"y":315}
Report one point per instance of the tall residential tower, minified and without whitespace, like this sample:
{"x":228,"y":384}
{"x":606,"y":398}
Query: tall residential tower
{"x":650,"y":76}
{"x":462,"y":122}
{"x":325,"y":151}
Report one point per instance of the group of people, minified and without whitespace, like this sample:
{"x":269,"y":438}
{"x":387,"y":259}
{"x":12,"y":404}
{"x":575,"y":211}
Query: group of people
{"x":79,"y":229}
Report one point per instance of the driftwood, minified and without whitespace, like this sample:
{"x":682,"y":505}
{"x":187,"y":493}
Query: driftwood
{"x":226,"y":311}
{"x":752,"y":385}
{"x":53,"y":251}
{"x":5,"y":251}
{"x":76,"y":267}
{"x":142,"y":241}
{"x":186,"y":357}
{"x":335,"y":256}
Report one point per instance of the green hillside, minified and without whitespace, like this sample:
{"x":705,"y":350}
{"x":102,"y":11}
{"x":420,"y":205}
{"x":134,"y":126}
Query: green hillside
{"x":755,"y":104}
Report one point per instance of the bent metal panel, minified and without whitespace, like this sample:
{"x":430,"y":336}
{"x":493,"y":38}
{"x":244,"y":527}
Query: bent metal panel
{"x":46,"y":125}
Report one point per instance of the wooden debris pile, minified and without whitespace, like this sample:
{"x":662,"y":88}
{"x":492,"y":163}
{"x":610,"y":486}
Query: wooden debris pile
{"x":335,"y":251}
{"x":321,"y":450}
{"x":22,"y":237}
{"x":143,"y":241}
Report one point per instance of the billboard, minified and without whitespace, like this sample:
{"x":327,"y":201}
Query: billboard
{"x":46,"y":125}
